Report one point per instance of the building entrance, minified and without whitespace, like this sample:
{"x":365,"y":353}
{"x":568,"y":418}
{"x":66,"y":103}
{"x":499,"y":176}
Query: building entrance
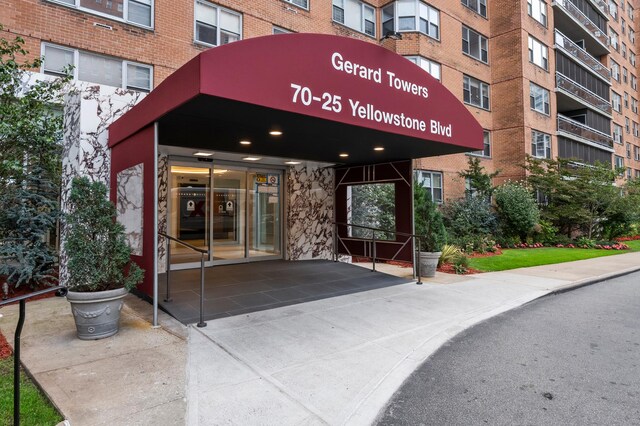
{"x":233,"y":212}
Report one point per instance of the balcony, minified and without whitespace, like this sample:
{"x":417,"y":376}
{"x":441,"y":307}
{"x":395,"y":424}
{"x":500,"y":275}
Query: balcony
{"x":576,"y":25}
{"x":581,"y":55}
{"x":580,"y":94}
{"x":572,"y":129}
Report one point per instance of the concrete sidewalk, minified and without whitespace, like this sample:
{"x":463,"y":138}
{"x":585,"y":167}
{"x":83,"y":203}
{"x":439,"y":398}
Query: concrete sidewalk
{"x":331,"y":361}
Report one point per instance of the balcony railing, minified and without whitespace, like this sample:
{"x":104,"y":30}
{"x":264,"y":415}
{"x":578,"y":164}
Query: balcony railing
{"x":568,"y":125}
{"x":573,"y":11}
{"x":582,"y":55}
{"x":582,"y":93}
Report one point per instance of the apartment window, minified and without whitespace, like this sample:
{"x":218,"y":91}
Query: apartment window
{"x":537,"y":9}
{"x":619,"y":162}
{"x":636,"y":153}
{"x":628,"y":150}
{"x":613,"y":38}
{"x":411,"y":15}
{"x":615,"y":70}
{"x":433,"y":182}
{"x":215,"y":26}
{"x":636,"y":129}
{"x":474,"y":44}
{"x":637,"y":174}
{"x":428,"y":65}
{"x":632,"y":58}
{"x":475,"y":92}
{"x":629,"y":174}
{"x":634,"y":105}
{"x":613,"y":10}
{"x":625,"y":75}
{"x":486,"y":150}
{"x":627,"y":125}
{"x":137,"y":12}
{"x":634,"y":82}
{"x":539,"y":99}
{"x":540,"y":144}
{"x":279,"y":30}
{"x":478,"y":6}
{"x":538,"y":53}
{"x":632,"y":35}
{"x":623,"y":50}
{"x":617,"y":133}
{"x":623,"y":25}
{"x":616,"y":101}
{"x":355,"y":14}
{"x":97,"y":68}
{"x":630,"y":11}
{"x":300,"y":3}
{"x":626,"y":100}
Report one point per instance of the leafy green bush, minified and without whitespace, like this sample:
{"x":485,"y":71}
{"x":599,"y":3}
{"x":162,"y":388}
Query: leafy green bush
{"x":428,"y":220}
{"x":95,"y":244}
{"x":461,"y":263}
{"x":469,"y":220}
{"x":585,"y":242}
{"x":545,"y":232}
{"x":449,"y":253}
{"x":517,"y":210}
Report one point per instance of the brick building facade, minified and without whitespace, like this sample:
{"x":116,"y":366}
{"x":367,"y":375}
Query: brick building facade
{"x":542,"y":78}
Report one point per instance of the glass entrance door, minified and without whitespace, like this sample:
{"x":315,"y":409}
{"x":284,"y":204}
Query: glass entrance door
{"x":189,"y":218}
{"x":234,"y":212}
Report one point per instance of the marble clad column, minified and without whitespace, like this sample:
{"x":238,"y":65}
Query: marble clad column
{"x":89,"y":109}
{"x":310,"y":212}
{"x":163,"y":192}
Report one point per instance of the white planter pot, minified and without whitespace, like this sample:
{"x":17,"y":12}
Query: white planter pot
{"x":97,"y":314}
{"x":429,"y":263}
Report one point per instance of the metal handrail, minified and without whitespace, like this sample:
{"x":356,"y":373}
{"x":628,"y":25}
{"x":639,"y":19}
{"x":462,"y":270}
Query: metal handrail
{"x":415,"y":238}
{"x":60,"y":292}
{"x":168,"y":271}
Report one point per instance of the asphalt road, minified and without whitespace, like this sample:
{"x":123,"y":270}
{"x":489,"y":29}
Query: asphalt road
{"x":567,"y":359}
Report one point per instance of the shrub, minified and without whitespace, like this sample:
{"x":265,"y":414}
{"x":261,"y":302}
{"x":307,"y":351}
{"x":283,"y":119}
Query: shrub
{"x":449,"y":253}
{"x":518,"y":211}
{"x":545,"y":232}
{"x":461,"y":263}
{"x":428,"y":220}
{"x":469,"y":220}
{"x":98,"y":254}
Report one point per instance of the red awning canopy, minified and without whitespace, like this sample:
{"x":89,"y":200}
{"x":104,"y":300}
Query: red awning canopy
{"x":327,"y":94}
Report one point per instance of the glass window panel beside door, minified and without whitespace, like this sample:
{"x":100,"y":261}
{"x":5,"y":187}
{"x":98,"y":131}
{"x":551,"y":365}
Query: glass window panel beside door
{"x":264,"y":213}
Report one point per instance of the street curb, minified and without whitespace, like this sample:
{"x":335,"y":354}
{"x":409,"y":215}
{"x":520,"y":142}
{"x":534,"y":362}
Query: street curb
{"x":592,"y":280}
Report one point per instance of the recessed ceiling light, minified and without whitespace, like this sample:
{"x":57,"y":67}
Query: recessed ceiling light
{"x":292,"y":163}
{"x":344,"y":155}
{"x":275,"y":133}
{"x":203,"y":154}
{"x":245,"y":142}
{"x":252,"y":158}
{"x":378,"y":148}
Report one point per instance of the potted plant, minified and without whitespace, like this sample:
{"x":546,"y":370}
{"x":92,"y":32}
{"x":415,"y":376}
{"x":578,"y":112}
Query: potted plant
{"x":429,"y":226}
{"x":99,"y":268}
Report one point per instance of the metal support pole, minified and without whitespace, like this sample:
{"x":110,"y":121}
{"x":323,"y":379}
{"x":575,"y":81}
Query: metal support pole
{"x":168,"y":296}
{"x":16,"y":365}
{"x":374,"y":251}
{"x":335,"y":242}
{"x":202,"y":323}
{"x":418,"y":262}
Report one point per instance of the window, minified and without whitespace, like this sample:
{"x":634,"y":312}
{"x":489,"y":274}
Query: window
{"x":626,"y":100}
{"x":634,"y":105}
{"x":355,"y":14}
{"x":474,"y":44}
{"x":632,"y":58}
{"x":98,"y":69}
{"x":619,"y":162}
{"x":486,"y":151}
{"x":615,"y":70}
{"x":632,"y":35}
{"x":137,"y":12}
{"x":617,"y":133}
{"x":636,"y":129}
{"x":613,"y":38}
{"x":623,"y":50}
{"x":538,"y":53}
{"x":411,"y":15}
{"x":625,"y":75}
{"x":478,"y":6}
{"x":300,"y":3}
{"x":630,"y":11}
{"x":627,"y":125}
{"x":629,"y":173}
{"x":628,"y":150}
{"x":613,"y":10}
{"x":539,"y":98}
{"x":623,"y":25}
{"x":537,"y":9}
{"x":634,"y":82}
{"x":475,"y":92}
{"x":637,"y":174}
{"x":433,"y":182}
{"x":616,"y":101}
{"x":278,"y":30}
{"x":540,"y":144}
{"x":215,"y":26}
{"x":636,"y":153}
{"x":429,"y":66}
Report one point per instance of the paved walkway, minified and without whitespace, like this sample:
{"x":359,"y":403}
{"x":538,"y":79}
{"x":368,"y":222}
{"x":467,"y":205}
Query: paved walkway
{"x":332,"y":361}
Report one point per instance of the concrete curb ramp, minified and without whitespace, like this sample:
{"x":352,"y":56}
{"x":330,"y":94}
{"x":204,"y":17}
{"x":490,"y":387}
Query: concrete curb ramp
{"x":332,"y":361}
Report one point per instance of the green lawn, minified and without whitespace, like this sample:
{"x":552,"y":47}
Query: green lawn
{"x":520,"y":258}
{"x":35,"y":409}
